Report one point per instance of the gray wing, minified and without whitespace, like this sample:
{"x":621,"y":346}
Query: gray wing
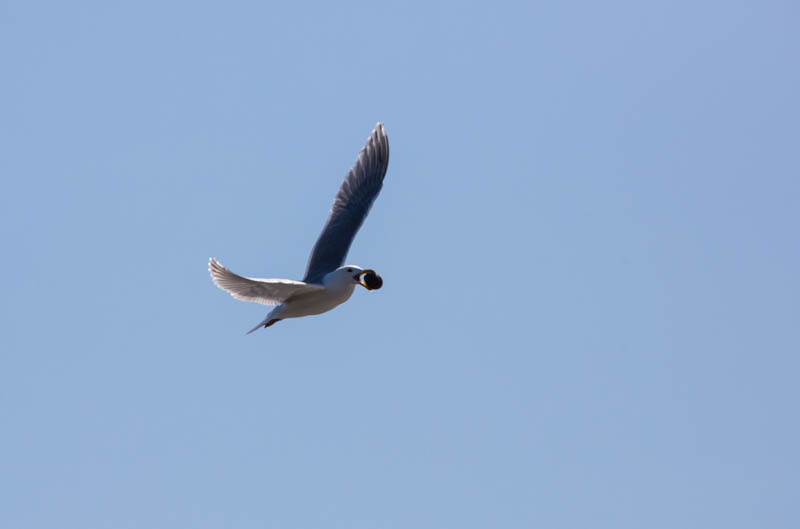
{"x":264,"y":291}
{"x":350,"y":207}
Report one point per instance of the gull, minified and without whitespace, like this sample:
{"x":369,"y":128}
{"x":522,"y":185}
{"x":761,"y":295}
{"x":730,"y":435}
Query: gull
{"x":328,"y":281}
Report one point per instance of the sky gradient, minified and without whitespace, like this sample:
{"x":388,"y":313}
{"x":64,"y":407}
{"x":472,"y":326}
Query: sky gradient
{"x":587,"y":235}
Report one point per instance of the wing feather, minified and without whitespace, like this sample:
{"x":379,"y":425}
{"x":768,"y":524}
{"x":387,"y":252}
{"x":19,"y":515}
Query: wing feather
{"x":264,"y":291}
{"x":350,"y":207}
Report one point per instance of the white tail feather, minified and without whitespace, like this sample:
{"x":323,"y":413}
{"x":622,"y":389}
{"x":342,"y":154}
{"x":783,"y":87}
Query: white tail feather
{"x":272,"y":314}
{"x":263,"y":323}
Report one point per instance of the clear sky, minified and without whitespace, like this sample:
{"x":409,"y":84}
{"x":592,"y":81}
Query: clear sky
{"x":588,"y":236}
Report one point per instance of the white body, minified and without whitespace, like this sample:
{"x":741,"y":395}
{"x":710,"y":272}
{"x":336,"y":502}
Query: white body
{"x":338,"y":289}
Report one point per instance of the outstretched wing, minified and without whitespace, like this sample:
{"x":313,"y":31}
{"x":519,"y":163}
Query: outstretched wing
{"x":264,"y":291}
{"x":350,"y":207}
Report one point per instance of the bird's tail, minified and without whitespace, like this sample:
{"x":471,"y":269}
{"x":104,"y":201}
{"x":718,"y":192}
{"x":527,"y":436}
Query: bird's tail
{"x":262,"y":324}
{"x":266,"y":322}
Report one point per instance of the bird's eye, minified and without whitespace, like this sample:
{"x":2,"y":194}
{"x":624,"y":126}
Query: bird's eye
{"x":349,"y":269}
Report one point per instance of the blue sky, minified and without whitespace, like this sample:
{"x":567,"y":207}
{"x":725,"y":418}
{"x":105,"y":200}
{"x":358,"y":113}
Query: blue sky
{"x":588,"y":237}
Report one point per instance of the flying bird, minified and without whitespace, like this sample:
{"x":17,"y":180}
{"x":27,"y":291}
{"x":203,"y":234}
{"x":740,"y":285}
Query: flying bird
{"x":328,"y":281}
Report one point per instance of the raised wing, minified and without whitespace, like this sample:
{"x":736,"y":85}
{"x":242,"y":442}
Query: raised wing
{"x":264,"y":291}
{"x":350,"y":207}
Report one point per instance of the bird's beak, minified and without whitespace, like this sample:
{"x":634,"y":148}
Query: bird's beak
{"x":358,"y":278}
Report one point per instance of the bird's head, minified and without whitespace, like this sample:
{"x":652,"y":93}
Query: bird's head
{"x":354,"y":274}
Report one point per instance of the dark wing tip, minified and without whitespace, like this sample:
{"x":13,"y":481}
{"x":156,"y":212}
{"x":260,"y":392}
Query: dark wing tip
{"x":374,"y":157}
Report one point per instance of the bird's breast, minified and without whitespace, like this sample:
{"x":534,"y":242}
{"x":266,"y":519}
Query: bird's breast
{"x":317,"y":302}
